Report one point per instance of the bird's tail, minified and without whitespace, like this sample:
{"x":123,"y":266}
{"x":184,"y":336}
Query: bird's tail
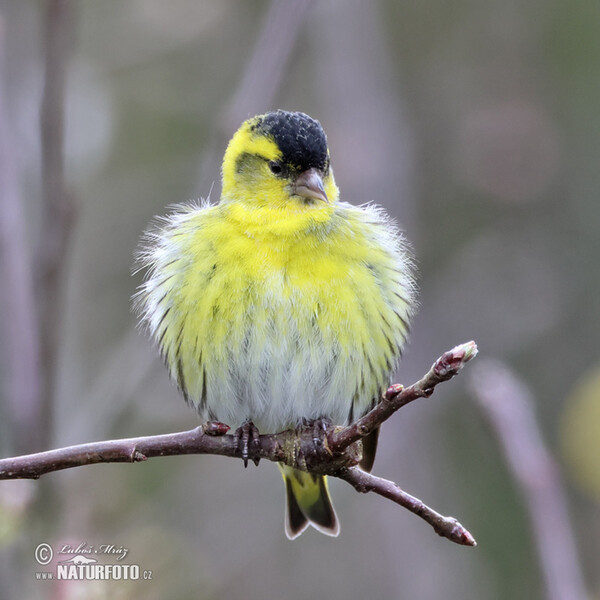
{"x":308,"y":503}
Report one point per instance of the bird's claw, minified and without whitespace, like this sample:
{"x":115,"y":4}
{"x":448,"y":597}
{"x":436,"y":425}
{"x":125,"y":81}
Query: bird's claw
{"x":319,"y":432}
{"x":244,"y":436}
{"x":318,"y":429}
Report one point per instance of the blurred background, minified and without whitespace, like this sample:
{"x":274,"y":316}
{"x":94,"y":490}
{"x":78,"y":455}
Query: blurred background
{"x":476,"y":125}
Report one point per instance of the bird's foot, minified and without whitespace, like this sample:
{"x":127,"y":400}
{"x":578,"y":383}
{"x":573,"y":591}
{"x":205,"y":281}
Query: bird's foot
{"x":245,"y":436}
{"x":317,"y":429}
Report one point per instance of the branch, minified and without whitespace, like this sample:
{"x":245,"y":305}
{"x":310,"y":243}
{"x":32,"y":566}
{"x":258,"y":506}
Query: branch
{"x":337,"y":454}
{"x":508,"y":406}
{"x":447,"y":527}
{"x":196,"y":441}
{"x":444,"y":368}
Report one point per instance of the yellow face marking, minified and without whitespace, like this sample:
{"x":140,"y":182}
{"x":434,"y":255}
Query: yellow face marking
{"x":257,"y":187}
{"x":246,"y":142}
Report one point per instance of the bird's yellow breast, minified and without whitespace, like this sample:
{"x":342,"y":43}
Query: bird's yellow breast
{"x":276,"y":317}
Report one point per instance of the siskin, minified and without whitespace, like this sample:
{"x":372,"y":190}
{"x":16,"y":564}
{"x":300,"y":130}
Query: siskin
{"x":279,"y":305}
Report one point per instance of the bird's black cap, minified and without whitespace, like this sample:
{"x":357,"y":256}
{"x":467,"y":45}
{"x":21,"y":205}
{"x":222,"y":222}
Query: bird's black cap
{"x":300,"y":138}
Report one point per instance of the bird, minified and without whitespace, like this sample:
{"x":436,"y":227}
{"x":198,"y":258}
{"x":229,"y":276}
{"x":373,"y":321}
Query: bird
{"x":280,"y":305}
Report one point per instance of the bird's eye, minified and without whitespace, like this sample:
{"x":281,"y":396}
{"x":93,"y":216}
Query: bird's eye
{"x":275,"y":167}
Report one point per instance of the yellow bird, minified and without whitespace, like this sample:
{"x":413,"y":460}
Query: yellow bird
{"x":279,"y":305}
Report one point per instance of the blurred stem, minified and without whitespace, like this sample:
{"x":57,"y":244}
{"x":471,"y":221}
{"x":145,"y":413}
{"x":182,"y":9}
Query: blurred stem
{"x":265,"y":69}
{"x":508,"y":405}
{"x":262,"y":75}
{"x":22,"y":384}
{"x":58,"y":208}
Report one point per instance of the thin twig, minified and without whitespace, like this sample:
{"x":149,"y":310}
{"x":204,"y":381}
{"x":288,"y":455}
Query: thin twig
{"x":444,"y":368}
{"x":338,"y":455}
{"x":195,"y":441}
{"x":286,"y":446}
{"x":508,"y":405}
{"x":447,"y":527}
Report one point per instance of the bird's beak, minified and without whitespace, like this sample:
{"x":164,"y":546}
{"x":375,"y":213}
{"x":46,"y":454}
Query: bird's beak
{"x":309,"y":184}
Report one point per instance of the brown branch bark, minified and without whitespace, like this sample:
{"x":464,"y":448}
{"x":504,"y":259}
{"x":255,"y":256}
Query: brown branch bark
{"x":397,"y":396}
{"x":337,"y":454}
{"x":447,"y":527}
